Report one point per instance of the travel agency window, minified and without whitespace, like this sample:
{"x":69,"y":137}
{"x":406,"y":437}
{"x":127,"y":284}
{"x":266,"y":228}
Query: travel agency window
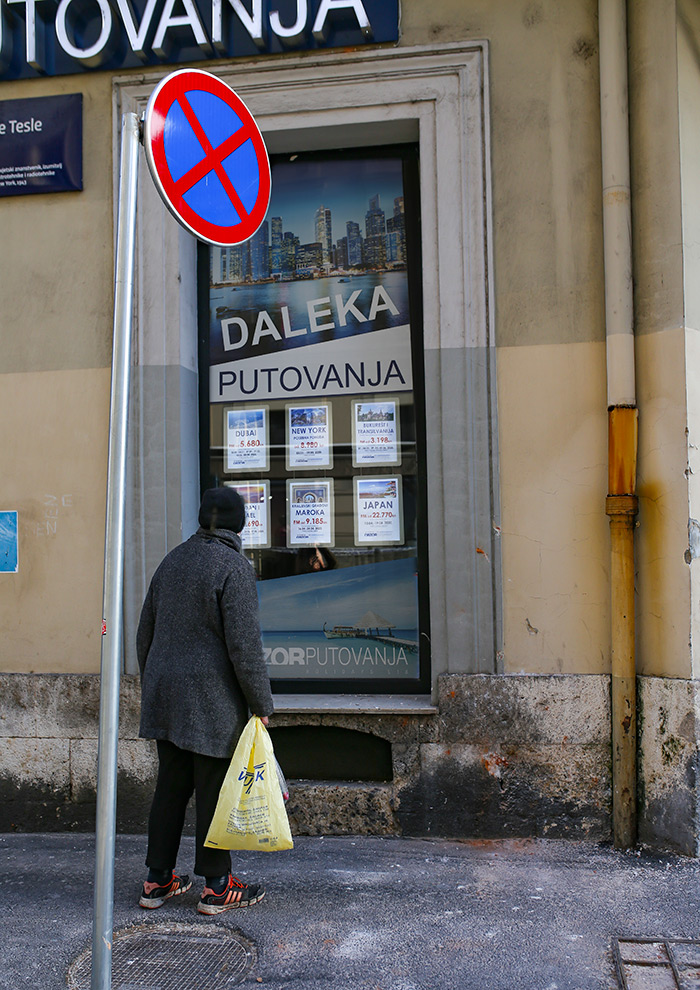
{"x":312,"y":407}
{"x":439,"y":486}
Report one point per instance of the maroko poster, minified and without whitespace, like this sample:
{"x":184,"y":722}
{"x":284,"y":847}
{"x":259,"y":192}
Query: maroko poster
{"x":310,"y":513}
{"x":346,"y":623}
{"x":316,"y":303}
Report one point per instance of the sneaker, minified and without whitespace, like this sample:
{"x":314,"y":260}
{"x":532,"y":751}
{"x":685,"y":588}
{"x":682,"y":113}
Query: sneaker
{"x":234,"y":895}
{"x":153,"y":895}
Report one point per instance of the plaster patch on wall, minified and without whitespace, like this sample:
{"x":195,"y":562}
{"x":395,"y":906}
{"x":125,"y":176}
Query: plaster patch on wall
{"x":693,"y":550}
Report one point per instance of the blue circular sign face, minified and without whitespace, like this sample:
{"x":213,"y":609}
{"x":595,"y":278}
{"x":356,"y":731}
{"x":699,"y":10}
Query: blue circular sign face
{"x":207,"y":157}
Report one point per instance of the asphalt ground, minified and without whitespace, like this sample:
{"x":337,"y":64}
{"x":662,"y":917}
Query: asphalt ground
{"x":367,"y":912}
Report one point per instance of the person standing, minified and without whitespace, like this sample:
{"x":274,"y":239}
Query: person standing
{"x":202,"y":670}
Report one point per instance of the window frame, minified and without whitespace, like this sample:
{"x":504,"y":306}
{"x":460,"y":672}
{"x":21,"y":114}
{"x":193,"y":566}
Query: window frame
{"x":409,"y":155}
{"x":437,"y":95}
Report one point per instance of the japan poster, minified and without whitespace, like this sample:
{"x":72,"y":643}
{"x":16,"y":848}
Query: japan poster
{"x":378,"y":517}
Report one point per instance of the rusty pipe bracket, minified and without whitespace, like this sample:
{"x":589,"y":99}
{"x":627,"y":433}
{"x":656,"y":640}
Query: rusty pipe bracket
{"x":621,"y":505}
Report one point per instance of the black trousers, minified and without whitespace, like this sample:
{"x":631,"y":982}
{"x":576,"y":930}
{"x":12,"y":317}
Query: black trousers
{"x":180,"y":774}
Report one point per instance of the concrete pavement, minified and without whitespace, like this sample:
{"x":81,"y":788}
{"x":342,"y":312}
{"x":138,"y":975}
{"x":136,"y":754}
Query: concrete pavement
{"x":366,"y":912}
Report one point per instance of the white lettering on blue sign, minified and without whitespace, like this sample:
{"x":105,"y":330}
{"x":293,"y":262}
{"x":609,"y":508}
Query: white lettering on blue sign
{"x":203,"y":27}
{"x":30,"y":126}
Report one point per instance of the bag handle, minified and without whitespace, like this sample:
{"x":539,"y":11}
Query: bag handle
{"x":259,"y":727}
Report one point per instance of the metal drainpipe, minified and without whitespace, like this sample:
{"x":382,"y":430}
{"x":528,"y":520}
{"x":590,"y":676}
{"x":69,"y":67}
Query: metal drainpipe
{"x":621,"y":502}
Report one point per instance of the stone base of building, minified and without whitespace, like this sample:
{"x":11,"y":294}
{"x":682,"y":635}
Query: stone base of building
{"x":502,"y":756}
{"x":668,"y":784}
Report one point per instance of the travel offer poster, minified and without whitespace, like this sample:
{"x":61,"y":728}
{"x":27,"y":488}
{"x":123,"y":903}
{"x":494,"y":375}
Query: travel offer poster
{"x":315,"y":304}
{"x":246,"y":439}
{"x":309,"y":439}
{"x":310,"y":513}
{"x":353,"y":622}
{"x":256,"y":495}
{"x":378,"y":518}
{"x":375,"y":433}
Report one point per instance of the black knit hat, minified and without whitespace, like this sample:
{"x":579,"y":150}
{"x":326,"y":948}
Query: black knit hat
{"x":222,"y":508}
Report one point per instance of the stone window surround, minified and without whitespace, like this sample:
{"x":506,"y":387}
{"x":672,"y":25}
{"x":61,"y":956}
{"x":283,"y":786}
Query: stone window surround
{"x":436,"y":96}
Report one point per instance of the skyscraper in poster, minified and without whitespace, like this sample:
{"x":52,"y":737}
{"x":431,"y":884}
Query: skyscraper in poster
{"x":260,"y":253}
{"x":375,"y":235}
{"x":276,"y":245}
{"x":354,"y":238}
{"x":323,"y":232}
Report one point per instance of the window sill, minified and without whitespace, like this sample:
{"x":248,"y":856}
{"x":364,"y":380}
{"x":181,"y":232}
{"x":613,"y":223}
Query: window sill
{"x":360,"y":704}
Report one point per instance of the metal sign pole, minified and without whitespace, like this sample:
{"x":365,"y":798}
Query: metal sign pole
{"x":103,"y":913}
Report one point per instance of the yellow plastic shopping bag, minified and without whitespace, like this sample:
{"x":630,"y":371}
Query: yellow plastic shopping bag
{"x":250,"y":813}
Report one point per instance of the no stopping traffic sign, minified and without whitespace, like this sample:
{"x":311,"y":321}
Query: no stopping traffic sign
{"x":207,"y":157}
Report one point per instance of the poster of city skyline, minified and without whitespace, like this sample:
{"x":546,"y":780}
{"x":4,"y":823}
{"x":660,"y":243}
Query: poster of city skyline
{"x":340,"y":216}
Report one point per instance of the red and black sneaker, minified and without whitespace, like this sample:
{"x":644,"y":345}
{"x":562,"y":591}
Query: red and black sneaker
{"x":153,"y":894}
{"x":235,"y":894}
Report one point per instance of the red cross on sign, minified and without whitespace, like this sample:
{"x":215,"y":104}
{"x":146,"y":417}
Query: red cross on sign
{"x":207,"y":157}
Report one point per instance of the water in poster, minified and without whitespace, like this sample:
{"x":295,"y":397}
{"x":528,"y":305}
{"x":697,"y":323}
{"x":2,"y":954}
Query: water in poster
{"x":346,"y":623}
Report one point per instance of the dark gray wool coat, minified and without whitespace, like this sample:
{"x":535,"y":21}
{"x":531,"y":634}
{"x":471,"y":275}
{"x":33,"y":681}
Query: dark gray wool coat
{"x":199,"y":647}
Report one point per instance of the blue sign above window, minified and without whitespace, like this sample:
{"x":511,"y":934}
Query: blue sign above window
{"x":41,"y":145}
{"x":76,"y":35}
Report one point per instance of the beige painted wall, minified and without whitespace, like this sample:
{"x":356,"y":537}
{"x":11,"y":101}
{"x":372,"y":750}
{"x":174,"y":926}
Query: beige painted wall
{"x":56,"y":264}
{"x":56,"y":255}
{"x":50,"y":611}
{"x":545,"y":154}
{"x":689,"y":129}
{"x":654,"y":147}
{"x":663,"y":580}
{"x":549,"y":323}
{"x":663,"y":576}
{"x":554,"y":530}
{"x":56,"y":267}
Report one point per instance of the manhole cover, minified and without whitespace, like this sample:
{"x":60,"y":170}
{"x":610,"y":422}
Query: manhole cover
{"x":171,"y":957}
{"x":657,"y":963}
